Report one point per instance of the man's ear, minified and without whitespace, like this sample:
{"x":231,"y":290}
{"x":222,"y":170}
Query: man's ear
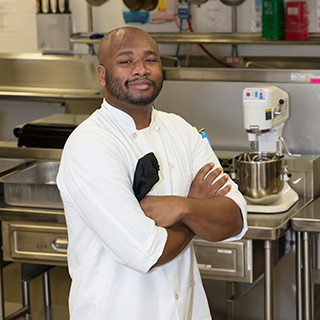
{"x":101,"y":75}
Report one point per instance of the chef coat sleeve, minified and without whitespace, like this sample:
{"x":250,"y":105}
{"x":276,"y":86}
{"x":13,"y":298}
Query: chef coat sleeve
{"x":203,"y":154}
{"x":96,"y":189}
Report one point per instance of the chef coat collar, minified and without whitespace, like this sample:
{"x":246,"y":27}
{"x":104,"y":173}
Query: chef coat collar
{"x":123,"y":118}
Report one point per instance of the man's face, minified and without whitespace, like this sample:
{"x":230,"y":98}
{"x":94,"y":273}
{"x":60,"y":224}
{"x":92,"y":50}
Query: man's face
{"x":139,"y":92}
{"x":133,"y":73}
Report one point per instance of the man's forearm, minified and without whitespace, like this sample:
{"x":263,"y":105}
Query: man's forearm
{"x":179,"y":236}
{"x":213,"y":219}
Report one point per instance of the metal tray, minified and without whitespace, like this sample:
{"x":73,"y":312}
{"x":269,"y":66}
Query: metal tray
{"x":33,"y":186}
{"x":8,"y":165}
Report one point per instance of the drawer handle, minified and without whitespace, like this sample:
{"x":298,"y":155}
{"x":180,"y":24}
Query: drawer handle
{"x":204,"y":266}
{"x":60,"y":244}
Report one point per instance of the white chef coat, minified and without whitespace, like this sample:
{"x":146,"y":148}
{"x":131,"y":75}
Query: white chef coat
{"x":112,"y":244}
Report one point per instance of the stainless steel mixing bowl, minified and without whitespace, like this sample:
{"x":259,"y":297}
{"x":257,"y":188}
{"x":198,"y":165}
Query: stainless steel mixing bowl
{"x":260,"y":176}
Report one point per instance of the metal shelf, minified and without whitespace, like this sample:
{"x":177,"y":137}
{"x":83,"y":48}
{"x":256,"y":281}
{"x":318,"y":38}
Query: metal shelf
{"x":206,"y":38}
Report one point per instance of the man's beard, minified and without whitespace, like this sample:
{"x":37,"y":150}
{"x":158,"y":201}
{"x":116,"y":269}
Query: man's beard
{"x":116,"y":90}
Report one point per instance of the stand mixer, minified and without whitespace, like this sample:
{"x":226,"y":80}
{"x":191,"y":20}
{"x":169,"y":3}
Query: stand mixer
{"x":265,"y":109}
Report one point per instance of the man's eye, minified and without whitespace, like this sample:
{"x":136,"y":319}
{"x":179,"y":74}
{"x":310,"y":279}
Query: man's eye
{"x":125,"y":62}
{"x":150,"y":60}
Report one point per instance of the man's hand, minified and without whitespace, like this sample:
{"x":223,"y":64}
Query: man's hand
{"x":164,"y":210}
{"x":202,"y":186}
{"x":167,"y":210}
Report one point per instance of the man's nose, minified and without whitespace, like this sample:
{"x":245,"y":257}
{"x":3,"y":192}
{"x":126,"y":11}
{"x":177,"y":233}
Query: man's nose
{"x":140,"y":67}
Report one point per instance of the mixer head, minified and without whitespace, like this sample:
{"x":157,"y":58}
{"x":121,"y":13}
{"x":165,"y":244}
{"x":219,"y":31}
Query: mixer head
{"x":265,"y":109}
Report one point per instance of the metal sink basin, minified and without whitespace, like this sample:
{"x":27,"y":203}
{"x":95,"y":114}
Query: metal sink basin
{"x":8,"y":165}
{"x":33,"y":186}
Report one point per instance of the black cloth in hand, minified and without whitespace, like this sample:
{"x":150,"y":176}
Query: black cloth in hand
{"x":146,"y":175}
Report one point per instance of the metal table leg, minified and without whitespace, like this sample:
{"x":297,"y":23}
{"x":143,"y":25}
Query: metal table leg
{"x":307,"y":315}
{"x":2,"y":316}
{"x":1,"y":291}
{"x":299,"y":288}
{"x":46,"y":289}
{"x":268,"y":279}
{"x":231,"y":300}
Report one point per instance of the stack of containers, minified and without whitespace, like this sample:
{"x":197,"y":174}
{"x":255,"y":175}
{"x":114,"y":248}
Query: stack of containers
{"x":273,"y":20}
{"x":296,"y":20}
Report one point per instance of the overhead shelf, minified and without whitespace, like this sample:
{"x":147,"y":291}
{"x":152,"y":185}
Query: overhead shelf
{"x":205,"y":38}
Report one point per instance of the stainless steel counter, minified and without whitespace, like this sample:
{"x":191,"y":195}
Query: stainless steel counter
{"x":273,"y":226}
{"x":9,"y":149}
{"x":308,"y":219}
{"x":57,"y":95}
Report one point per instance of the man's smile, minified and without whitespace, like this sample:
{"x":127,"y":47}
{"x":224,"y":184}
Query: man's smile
{"x":141,"y":84}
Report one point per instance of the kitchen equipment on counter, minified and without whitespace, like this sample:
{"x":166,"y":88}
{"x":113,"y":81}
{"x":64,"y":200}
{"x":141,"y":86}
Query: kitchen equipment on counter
{"x":33,"y":186}
{"x":265,"y":110}
{"x":48,"y":132}
{"x":263,"y":182}
{"x":260,"y":176}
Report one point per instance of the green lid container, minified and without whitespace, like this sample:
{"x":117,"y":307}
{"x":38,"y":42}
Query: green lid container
{"x":273,"y":17}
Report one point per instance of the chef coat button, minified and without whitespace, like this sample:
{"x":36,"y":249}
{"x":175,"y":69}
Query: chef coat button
{"x":177,"y":296}
{"x":156,"y":128}
{"x":171,"y":166}
{"x":134,"y":135}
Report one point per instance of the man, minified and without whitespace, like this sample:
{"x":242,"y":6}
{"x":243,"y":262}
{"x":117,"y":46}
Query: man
{"x":131,"y":260}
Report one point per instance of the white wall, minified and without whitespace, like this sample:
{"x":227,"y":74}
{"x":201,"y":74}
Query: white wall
{"x":21,"y":35}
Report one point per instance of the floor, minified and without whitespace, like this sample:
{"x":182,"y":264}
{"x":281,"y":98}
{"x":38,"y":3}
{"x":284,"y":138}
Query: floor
{"x":59,"y":283}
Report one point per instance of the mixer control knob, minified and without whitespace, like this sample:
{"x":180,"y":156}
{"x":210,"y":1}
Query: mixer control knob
{"x":286,"y":174}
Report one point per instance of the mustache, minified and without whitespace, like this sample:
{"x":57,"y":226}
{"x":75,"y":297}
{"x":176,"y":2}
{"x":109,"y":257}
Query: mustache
{"x":140,"y":80}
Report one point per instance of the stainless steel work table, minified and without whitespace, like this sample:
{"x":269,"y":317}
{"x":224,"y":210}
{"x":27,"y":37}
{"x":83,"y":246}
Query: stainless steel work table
{"x":264,"y":227}
{"x":268,"y":228}
{"x":304,"y":223}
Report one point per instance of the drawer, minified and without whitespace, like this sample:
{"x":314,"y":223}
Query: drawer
{"x":230,"y":261}
{"x":35,"y":242}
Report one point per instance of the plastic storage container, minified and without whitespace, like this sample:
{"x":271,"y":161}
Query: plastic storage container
{"x":273,"y":16}
{"x":296,"y":21}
